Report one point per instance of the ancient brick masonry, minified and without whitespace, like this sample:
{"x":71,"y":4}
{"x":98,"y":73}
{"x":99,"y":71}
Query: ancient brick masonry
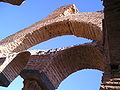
{"x":63,"y":21}
{"x":111,"y":29}
{"x":44,"y":70}
{"x":59,"y":63}
{"x":11,"y":66}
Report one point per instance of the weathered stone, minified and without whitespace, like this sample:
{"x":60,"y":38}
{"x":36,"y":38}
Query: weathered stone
{"x":111,"y":29}
{"x":63,"y":21}
{"x":2,"y":59}
{"x":38,"y":79}
{"x":12,"y":66}
{"x":59,"y":63}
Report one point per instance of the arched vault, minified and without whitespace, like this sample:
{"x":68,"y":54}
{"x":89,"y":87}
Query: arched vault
{"x":63,"y":21}
{"x":58,"y":64}
{"x":61,"y":62}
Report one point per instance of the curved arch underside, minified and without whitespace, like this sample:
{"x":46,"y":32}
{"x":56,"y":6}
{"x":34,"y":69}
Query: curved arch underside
{"x":11,"y":66}
{"x":60,"y":63}
{"x":65,"y":21}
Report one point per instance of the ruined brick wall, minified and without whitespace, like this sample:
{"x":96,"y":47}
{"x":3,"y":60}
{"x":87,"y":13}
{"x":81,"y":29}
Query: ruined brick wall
{"x":111,"y":79}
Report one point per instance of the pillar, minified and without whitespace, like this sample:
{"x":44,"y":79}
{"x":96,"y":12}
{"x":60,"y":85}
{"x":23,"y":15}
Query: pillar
{"x":36,"y":80}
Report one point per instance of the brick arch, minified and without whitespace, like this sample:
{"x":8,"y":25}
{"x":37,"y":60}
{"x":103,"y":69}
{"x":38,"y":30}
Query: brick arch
{"x":12,"y":65}
{"x":64,"y":21}
{"x":57,"y":27}
{"x":86,"y":30}
{"x":71,"y":60}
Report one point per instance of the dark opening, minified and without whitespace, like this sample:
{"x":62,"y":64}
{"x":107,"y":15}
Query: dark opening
{"x":114,"y":66}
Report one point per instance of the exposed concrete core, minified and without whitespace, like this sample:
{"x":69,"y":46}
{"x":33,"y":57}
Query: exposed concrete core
{"x":14,"y":2}
{"x":63,"y":21}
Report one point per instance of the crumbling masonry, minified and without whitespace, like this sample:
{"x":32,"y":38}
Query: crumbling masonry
{"x":45,"y":69}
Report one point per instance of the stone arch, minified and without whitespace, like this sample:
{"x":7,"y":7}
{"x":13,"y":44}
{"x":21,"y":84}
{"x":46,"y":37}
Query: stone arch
{"x":49,"y":32}
{"x":63,"y":26}
{"x":71,"y":60}
{"x":12,"y":65}
{"x":64,"y":21}
{"x":53,"y":66}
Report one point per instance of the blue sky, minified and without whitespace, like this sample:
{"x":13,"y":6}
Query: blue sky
{"x":15,"y":18}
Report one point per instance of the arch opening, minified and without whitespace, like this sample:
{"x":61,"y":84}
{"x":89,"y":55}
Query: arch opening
{"x":86,"y":79}
{"x":16,"y":84}
{"x":60,"y":42}
{"x":77,"y":25}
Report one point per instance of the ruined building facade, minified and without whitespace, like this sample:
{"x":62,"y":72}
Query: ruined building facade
{"x":46,"y":69}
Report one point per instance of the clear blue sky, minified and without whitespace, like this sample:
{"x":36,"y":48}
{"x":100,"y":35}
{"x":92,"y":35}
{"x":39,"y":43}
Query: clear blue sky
{"x":15,"y":18}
